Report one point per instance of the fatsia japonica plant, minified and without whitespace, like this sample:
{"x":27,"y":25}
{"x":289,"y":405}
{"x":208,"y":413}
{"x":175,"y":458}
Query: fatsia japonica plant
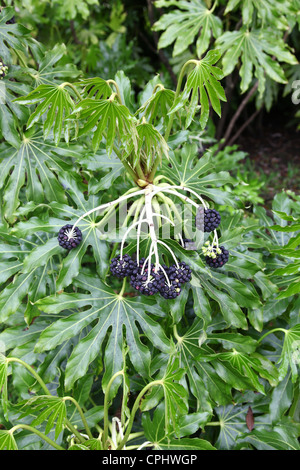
{"x":138,"y":293}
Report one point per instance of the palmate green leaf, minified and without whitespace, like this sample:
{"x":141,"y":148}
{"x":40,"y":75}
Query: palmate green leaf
{"x":281,"y":398}
{"x":232,"y":419}
{"x":255,"y":48}
{"x":11,"y":113}
{"x":202,"y":86}
{"x":55,"y":103}
{"x":205,"y":279}
{"x":212,"y":383}
{"x":12,"y":36}
{"x":51,"y":409}
{"x":188,"y":424}
{"x":100,"y":161}
{"x":175,"y":396}
{"x":189,"y":21}
{"x":268,"y":440}
{"x":158,"y":105}
{"x":267,"y":11}
{"x":186,"y":169}
{"x":37,"y":166}
{"x":72,"y":260}
{"x":247,"y":365}
{"x":151,"y":145}
{"x":290,"y":355}
{"x":3,"y":382}
{"x":7,"y":441}
{"x":51,"y":69}
{"x":32,"y":280}
{"x":111,"y":311}
{"x":95,"y":87}
{"x":70,"y":9}
{"x":185,"y":444}
{"x":106,"y":115}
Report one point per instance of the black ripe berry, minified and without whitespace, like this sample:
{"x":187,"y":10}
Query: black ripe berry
{"x":207,"y":220}
{"x":179,"y":274}
{"x":144,"y":283}
{"x":219,"y":260}
{"x":68,"y":237}
{"x":122,"y":267}
{"x":170,"y":291}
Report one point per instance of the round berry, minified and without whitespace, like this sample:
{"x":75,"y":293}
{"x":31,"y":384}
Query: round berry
{"x":219,"y":260}
{"x":179,"y":274}
{"x":207,"y":220}
{"x":68,"y":237}
{"x":170,"y":291}
{"x":3,"y":70}
{"x":122,"y":267}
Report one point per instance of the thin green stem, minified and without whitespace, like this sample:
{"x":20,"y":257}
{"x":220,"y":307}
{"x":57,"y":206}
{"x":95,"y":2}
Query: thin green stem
{"x":135,"y":435}
{"x":140,"y":172}
{"x":45,"y":389}
{"x":63,"y":85}
{"x":23,"y":63}
{"x":117,"y":89}
{"x":32,"y":371}
{"x":123,"y":287}
{"x":84,"y":421}
{"x":213,"y":423}
{"x":115,"y":247}
{"x":38,"y":433}
{"x":134,"y":410}
{"x":181,"y":75}
{"x":106,"y":405}
{"x":271,"y":331}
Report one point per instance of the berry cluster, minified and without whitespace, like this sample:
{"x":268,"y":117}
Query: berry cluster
{"x":215,"y":256}
{"x":122,"y":267}
{"x":3,"y":70}
{"x":166,"y":280}
{"x":207,"y":220}
{"x":68,"y":237}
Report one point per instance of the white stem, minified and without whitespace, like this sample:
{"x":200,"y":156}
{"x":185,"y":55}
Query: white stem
{"x":166,"y":276}
{"x":164,"y":217}
{"x":216,"y":239}
{"x":108,"y":204}
{"x":166,"y":188}
{"x":149,"y":262}
{"x":139,"y":234}
{"x":181,"y":196}
{"x":127,"y":232}
{"x":149,"y":215}
{"x":145,"y":444}
{"x":147,"y":259}
{"x":181,"y":239}
{"x":171,"y":251}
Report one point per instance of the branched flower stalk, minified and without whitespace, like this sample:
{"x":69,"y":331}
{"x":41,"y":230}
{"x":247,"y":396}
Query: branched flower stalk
{"x":148,"y":212}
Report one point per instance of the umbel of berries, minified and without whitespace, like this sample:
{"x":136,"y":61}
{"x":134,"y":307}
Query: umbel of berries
{"x":3,"y":70}
{"x":207,"y":220}
{"x":69,"y":237}
{"x":122,"y":267}
{"x":215,"y":256}
{"x":147,"y":284}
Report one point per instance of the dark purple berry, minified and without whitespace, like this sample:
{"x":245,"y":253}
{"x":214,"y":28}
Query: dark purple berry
{"x":68,"y":238}
{"x":122,"y":267}
{"x":220,"y":259}
{"x":207,"y":220}
{"x":179,"y":275}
